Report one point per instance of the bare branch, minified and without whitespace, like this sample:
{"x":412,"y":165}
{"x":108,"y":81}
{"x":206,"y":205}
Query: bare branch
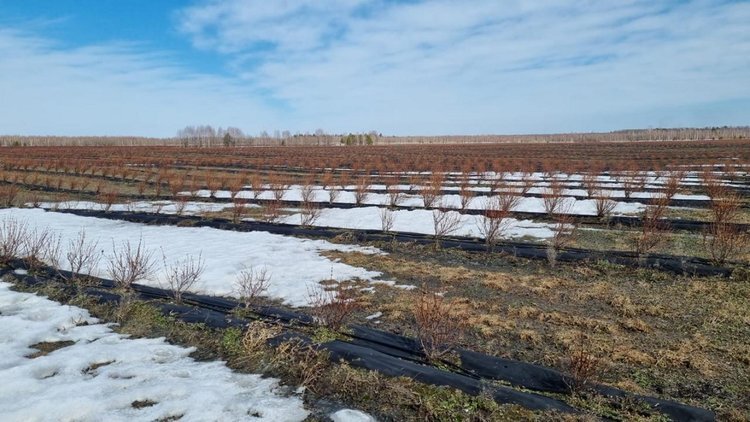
{"x":251,"y":283}
{"x":129,"y":264}
{"x":182,"y":275}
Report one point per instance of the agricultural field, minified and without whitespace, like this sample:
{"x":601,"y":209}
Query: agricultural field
{"x":515,"y":281}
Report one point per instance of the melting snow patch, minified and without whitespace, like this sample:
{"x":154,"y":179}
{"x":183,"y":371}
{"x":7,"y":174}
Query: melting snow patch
{"x":350,"y":415}
{"x":417,"y":221}
{"x":164,"y":207}
{"x":106,"y":376}
{"x":295,"y":265}
{"x":375,"y":315}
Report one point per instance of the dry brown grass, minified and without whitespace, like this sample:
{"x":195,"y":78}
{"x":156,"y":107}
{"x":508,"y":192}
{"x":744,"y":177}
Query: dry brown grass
{"x":675,"y":337}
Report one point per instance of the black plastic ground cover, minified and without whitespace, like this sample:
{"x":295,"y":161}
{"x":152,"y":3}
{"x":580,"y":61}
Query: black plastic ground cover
{"x":396,"y":356}
{"x":388,"y":353}
{"x":539,"y":378}
{"x":449,"y":179}
{"x":676,"y":264}
{"x":357,"y":356}
{"x":193,"y":315}
{"x":385,"y":342}
{"x":373,"y":360}
{"x":590,"y":220}
{"x":625,"y":221}
{"x":690,"y":203}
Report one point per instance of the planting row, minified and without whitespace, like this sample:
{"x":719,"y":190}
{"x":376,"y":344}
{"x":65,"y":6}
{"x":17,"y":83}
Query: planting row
{"x":59,"y":362}
{"x":578,"y":157}
{"x":556,"y":249}
{"x":398,"y":356}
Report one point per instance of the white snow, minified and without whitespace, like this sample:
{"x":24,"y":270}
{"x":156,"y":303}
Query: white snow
{"x":577,"y":206}
{"x":295,"y":265}
{"x":63,"y":385}
{"x":416,"y":221}
{"x":374,"y":316}
{"x":164,"y":207}
{"x":350,"y":415}
{"x":532,"y":204}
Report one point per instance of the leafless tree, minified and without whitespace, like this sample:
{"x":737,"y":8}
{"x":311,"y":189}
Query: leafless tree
{"x":583,"y":365}
{"x":180,"y":204}
{"x":672,"y":184}
{"x":252,"y":283}
{"x":326,"y":181}
{"x":439,"y":330}
{"x":52,"y":252}
{"x":497,"y":183}
{"x":235,"y":185}
{"x":725,"y":205}
{"x":395,"y":196}
{"x":214,"y":184}
{"x":712,"y":185}
{"x":333,"y":194}
{"x":8,"y":194}
{"x":604,"y":204}
{"x":590,"y":184}
{"x":307,"y":191}
{"x":13,"y":232}
{"x":431,"y":190}
{"x":278,"y":186}
{"x":108,"y":198}
{"x":82,"y":255}
{"x":563,"y":232}
{"x":415,"y":183}
{"x":493,"y":222}
{"x":507,"y":201}
{"x":176,"y":185}
{"x":130,"y":263}
{"x":445,"y":223}
{"x":271,"y":211}
{"x":629,"y":184}
{"x":256,"y":184}
{"x":309,"y":213}
{"x":465,"y":194}
{"x":552,"y":197}
{"x":724,"y":241}
{"x":182,"y":275}
{"x":334,"y":307}
{"x":387,"y":218}
{"x":35,"y":200}
{"x":362,"y":190}
{"x":654,"y":229}
{"x":239,"y":208}
{"x":527,"y":182}
{"x":35,"y":246}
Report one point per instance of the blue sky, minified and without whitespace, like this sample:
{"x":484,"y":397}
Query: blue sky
{"x":138,"y":67}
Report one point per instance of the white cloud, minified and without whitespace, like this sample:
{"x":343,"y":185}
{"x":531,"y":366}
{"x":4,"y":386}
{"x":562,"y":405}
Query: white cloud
{"x":417,"y":67}
{"x":112,"y":89}
{"x":484,"y":66}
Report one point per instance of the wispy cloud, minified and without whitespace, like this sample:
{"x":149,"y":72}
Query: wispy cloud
{"x":401,"y":67}
{"x":435,"y":66}
{"x":115,"y":88}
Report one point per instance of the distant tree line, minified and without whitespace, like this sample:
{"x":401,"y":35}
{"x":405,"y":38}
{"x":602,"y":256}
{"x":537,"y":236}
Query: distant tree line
{"x":208,"y":136}
{"x":628,"y":135}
